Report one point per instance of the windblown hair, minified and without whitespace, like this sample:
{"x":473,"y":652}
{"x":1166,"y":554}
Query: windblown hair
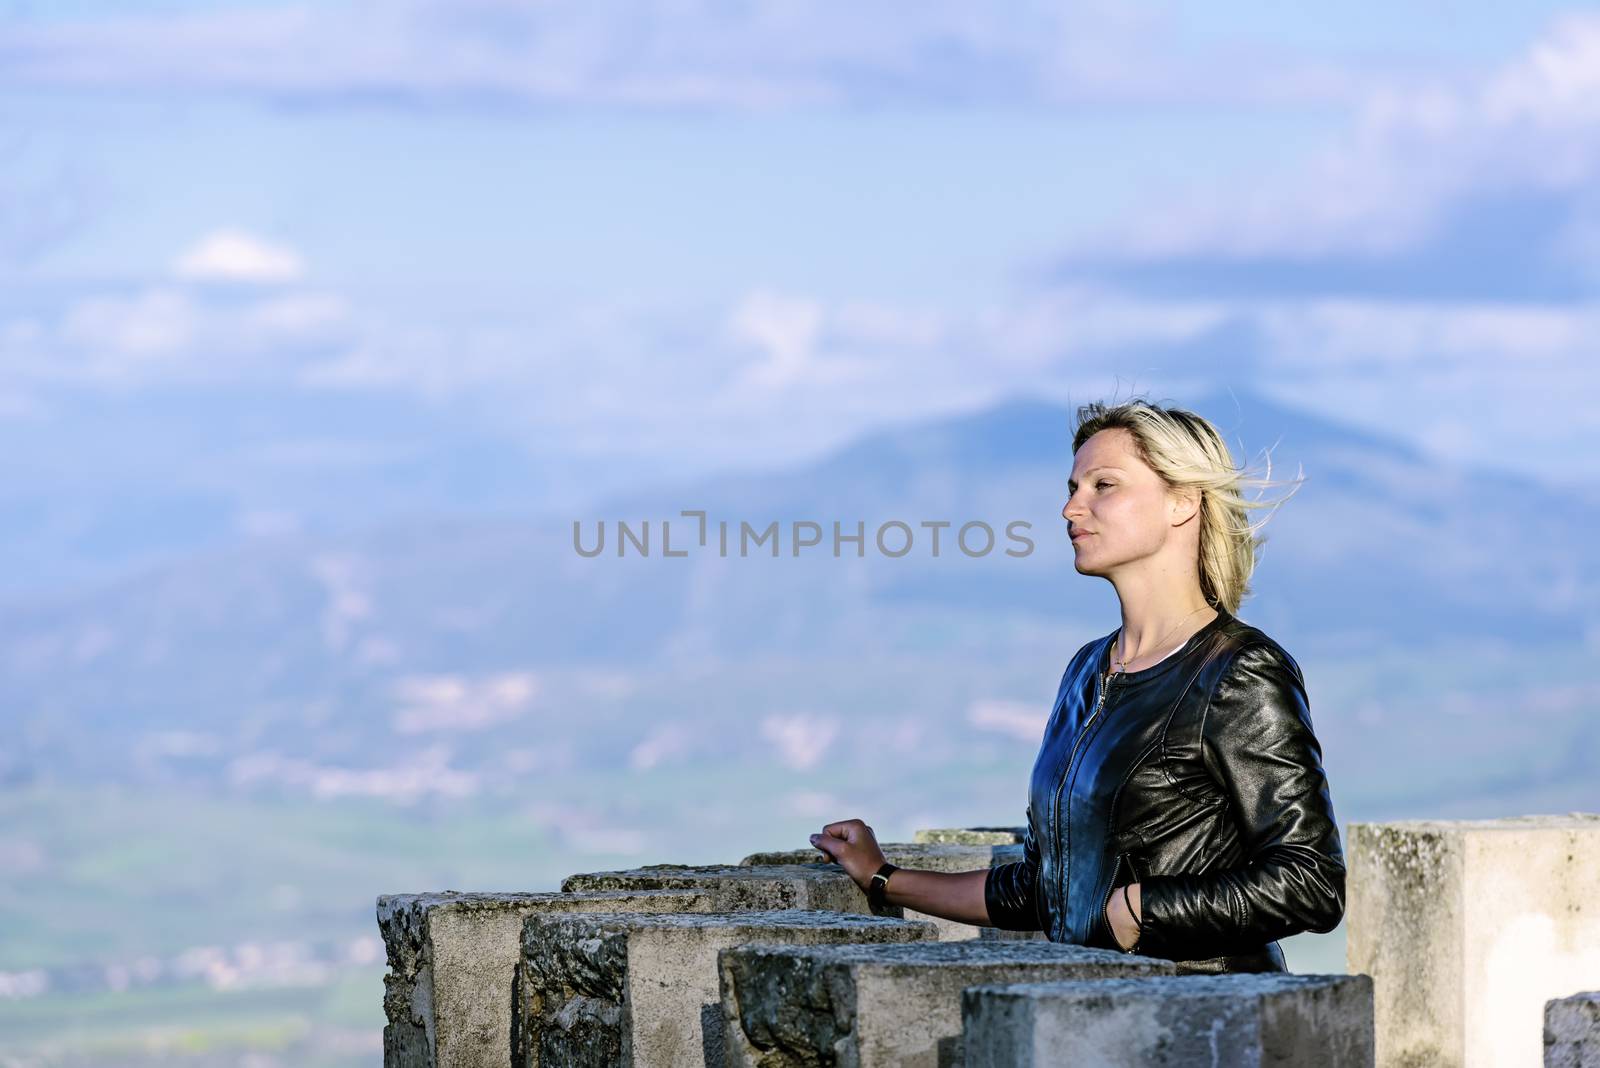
{"x":1188,"y":452}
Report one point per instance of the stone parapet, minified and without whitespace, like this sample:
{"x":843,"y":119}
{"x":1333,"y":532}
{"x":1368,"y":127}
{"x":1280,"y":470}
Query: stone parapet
{"x":1468,"y":927}
{"x":875,"y":1006}
{"x":928,"y":856}
{"x":643,"y":990}
{"x":452,"y":956}
{"x":1243,"y":1020}
{"x":736,"y":887}
{"x":1572,"y":1031}
{"x":970,"y":836}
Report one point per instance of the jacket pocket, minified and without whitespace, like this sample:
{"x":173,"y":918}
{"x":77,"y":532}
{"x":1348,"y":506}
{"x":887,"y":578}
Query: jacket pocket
{"x":1105,"y":905}
{"x":1188,"y":817}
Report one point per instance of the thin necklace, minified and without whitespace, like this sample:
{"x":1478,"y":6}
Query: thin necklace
{"x":1122,"y":662}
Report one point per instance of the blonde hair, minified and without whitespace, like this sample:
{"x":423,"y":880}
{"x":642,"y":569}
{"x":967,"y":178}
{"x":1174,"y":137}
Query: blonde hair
{"x":1188,"y":452}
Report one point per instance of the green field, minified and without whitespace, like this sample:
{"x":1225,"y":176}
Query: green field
{"x":111,"y":875}
{"x":98,"y":876}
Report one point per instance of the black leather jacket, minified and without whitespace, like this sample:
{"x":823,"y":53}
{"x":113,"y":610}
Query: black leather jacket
{"x":1198,"y":778}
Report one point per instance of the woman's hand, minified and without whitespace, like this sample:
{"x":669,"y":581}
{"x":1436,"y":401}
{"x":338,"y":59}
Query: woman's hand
{"x":853,"y":847}
{"x":1124,"y":926}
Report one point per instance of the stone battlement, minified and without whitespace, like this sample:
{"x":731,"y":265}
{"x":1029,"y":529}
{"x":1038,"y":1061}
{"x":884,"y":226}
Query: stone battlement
{"x":1470,"y":943}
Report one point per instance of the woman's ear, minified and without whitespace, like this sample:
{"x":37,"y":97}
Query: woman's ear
{"x":1183,"y":504}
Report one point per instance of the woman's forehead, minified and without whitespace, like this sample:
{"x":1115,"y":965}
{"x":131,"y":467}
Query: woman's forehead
{"x":1107,"y":448}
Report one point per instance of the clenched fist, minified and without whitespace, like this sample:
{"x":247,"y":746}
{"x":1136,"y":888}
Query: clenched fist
{"x":853,"y":847}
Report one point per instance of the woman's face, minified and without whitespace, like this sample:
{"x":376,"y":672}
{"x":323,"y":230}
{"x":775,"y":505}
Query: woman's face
{"x":1118,"y":510}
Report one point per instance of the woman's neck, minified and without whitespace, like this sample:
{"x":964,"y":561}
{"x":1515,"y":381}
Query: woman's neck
{"x":1133,"y":650}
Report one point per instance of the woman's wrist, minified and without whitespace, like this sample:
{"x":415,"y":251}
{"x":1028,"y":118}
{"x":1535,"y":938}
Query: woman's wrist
{"x":1138,"y":932}
{"x":1123,"y":912}
{"x":877,"y":887}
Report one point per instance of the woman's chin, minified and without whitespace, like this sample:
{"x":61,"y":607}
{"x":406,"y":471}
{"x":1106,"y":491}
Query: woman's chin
{"x":1088,"y":562}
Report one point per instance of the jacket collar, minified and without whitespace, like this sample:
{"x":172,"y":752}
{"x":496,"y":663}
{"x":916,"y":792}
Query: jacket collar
{"x":1201,"y":638}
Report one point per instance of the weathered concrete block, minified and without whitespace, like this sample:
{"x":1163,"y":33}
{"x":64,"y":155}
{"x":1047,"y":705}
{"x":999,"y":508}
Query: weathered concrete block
{"x":1572,"y":1031}
{"x":736,"y":888}
{"x":452,"y":957}
{"x":1468,"y":927}
{"x":1242,"y":1020}
{"x":927,"y":856}
{"x":769,"y":857}
{"x":643,"y":990}
{"x":874,"y":1006}
{"x":970,"y":836}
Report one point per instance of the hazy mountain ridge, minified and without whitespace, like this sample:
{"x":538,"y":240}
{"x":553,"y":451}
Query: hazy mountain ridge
{"x":491,"y":649}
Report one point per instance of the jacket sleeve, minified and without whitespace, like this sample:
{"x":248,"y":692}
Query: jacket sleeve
{"x":1257,"y":741}
{"x":1011,"y":892}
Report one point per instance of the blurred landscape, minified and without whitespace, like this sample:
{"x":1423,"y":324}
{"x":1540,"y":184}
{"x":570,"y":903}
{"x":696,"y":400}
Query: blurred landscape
{"x":233,"y":754}
{"x":323,"y":326}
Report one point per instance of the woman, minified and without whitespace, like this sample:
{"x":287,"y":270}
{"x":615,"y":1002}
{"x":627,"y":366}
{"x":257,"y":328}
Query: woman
{"x":1178,"y":806}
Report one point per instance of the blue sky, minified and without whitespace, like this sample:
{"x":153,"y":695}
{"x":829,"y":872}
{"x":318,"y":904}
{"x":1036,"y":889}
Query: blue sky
{"x":245,"y":243}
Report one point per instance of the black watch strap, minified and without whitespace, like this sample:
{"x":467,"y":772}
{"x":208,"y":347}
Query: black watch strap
{"x":879,"y":885}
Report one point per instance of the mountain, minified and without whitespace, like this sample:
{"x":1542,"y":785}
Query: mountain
{"x":308,"y":662}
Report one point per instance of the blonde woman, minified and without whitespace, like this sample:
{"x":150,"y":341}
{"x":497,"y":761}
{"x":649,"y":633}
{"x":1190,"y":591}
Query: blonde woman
{"x":1178,"y":806}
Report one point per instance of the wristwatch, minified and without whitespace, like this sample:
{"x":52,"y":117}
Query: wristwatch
{"x":879,"y":885}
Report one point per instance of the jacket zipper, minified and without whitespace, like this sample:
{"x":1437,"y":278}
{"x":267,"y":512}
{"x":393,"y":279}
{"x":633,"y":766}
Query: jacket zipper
{"x":1103,"y":683}
{"x":1105,"y":688}
{"x":1105,"y":906}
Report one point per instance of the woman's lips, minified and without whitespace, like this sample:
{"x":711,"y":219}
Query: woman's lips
{"x":1082,"y":534}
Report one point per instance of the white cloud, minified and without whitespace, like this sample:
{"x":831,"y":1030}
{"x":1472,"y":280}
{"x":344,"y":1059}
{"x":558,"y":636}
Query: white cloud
{"x":1415,"y":151}
{"x":784,"y":329}
{"x":908,"y":361}
{"x":141,"y":329}
{"x":426,"y":773}
{"x":1023,"y":721}
{"x":586,"y":829}
{"x":668,"y":742}
{"x":911,"y":362}
{"x":674,"y":54}
{"x":1557,"y":83}
{"x":429,"y":360}
{"x":1326,"y":336}
{"x":344,"y":584}
{"x":296,"y":314}
{"x":231,"y":255}
{"x":801,"y":740}
{"x":456,"y":703}
{"x":761,"y":376}
{"x":173,"y":333}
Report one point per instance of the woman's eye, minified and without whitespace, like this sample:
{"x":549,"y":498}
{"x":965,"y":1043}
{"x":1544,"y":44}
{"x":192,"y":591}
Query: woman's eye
{"x":1098,"y":485}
